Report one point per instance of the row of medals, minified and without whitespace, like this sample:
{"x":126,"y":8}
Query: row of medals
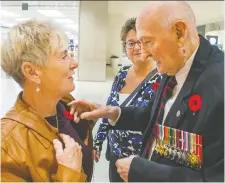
{"x":180,"y":156}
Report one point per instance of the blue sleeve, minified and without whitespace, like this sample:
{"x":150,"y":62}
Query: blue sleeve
{"x":104,"y":125}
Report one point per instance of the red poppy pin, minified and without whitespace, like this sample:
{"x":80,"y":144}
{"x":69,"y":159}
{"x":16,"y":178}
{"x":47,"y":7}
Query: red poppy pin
{"x":155,"y":86}
{"x":68,"y":115}
{"x":195,"y":103}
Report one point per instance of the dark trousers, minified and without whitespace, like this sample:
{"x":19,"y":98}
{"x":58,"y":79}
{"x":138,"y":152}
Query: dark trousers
{"x":113,"y":174}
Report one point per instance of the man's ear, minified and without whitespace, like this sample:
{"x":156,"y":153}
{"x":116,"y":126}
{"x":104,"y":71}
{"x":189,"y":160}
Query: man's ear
{"x":180,"y":29}
{"x":31,"y":72}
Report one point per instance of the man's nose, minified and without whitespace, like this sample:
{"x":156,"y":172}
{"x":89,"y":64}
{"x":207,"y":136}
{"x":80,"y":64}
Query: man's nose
{"x":137,"y":46}
{"x":145,"y":52}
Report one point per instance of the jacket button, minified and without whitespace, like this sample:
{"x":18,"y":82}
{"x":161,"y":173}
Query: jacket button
{"x":178,"y":113}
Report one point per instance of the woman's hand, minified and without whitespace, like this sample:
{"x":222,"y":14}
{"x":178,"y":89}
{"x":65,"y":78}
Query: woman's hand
{"x":82,"y":109}
{"x":71,"y":156}
{"x":96,"y":155}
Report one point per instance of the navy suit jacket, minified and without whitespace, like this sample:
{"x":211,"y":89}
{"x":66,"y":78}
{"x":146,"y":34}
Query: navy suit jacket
{"x":205,"y":78}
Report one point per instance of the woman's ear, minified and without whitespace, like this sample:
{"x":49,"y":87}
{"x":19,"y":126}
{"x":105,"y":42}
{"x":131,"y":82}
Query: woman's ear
{"x":31,"y":72}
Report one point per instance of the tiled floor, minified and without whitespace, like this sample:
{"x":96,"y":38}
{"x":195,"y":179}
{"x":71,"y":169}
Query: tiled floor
{"x":93,"y":91}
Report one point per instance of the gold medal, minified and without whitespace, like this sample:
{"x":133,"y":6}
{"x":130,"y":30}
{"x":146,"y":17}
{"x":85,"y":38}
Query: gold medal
{"x":194,"y":161}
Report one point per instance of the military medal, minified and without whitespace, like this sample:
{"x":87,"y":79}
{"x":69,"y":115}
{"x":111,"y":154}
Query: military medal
{"x":170,"y":140}
{"x":199,"y":147}
{"x":162,"y":134}
{"x":166,"y":142}
{"x":178,"y":145}
{"x":174,"y":151}
{"x":157,"y":138}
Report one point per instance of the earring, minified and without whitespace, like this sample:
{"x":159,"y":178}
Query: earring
{"x":37,"y":89}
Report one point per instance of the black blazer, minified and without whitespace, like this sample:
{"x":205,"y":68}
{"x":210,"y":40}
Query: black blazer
{"x":206,"y":78}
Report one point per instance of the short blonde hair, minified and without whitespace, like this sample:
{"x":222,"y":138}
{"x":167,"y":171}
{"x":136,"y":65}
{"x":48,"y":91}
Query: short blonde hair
{"x":31,"y":41}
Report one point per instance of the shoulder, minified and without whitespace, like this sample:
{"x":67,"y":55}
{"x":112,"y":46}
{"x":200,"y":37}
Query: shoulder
{"x":13,"y":138}
{"x":120,"y":78}
{"x":13,"y":132}
{"x":123,"y":71}
{"x":8,"y":125}
{"x":212,"y":76}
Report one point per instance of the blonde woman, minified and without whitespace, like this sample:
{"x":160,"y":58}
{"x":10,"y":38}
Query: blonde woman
{"x":40,"y":141}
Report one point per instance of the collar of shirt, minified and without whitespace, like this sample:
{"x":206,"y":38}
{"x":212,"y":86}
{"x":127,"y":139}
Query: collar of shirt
{"x":183,"y":72}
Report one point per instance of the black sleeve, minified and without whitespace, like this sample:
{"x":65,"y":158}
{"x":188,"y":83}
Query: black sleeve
{"x":133,"y":118}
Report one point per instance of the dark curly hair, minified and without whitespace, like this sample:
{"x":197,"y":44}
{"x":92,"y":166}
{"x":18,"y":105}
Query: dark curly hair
{"x":129,"y":25}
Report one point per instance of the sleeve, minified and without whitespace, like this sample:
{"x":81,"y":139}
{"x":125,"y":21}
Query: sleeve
{"x":133,"y":118}
{"x":65,"y":174}
{"x":101,"y":134}
{"x":105,"y":126}
{"x":11,"y":170}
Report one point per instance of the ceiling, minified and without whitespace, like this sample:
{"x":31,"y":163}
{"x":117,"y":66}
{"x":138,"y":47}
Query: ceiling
{"x":63,"y":13}
{"x":205,"y":11}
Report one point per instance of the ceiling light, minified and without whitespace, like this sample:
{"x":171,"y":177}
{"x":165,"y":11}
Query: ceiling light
{"x":68,"y":33}
{"x":51,"y":13}
{"x":8,"y":14}
{"x":73,"y":26}
{"x":62,"y":20}
{"x":22,"y":19}
{"x":6,"y":24}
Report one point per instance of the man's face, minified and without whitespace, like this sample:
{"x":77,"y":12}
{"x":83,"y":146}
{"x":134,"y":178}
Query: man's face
{"x":161,"y":44}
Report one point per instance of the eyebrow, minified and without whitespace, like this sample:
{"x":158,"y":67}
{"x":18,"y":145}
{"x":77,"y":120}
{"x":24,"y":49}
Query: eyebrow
{"x":130,"y":40}
{"x":146,"y":37}
{"x":64,"y":52}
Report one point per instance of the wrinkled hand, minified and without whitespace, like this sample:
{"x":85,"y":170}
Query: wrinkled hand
{"x":96,"y":155}
{"x":123,"y":167}
{"x":82,"y":109}
{"x":71,"y":156}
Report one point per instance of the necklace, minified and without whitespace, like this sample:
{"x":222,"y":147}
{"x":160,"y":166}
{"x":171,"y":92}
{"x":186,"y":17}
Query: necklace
{"x":57,"y":121}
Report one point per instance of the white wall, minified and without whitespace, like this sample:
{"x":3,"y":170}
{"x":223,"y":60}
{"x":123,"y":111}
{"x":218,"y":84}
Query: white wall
{"x":115,"y":23}
{"x":93,"y":40}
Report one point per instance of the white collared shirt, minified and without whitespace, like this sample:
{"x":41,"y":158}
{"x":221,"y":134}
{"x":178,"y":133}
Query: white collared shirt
{"x":180,"y":78}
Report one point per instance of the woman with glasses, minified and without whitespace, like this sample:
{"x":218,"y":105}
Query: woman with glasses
{"x":142,"y":74}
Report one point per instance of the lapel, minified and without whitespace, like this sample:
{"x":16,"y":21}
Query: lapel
{"x":155,"y":107}
{"x":180,"y":105}
{"x":22,"y":113}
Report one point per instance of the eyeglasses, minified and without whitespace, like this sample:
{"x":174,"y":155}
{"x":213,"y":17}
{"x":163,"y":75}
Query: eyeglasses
{"x":131,"y":44}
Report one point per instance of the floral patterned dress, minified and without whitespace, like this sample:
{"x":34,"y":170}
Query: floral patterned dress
{"x":124,"y":143}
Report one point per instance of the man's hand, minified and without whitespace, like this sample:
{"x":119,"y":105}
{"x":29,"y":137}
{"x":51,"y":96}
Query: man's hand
{"x":71,"y":156}
{"x":96,"y":155}
{"x":123,"y":167}
{"x":82,"y":109}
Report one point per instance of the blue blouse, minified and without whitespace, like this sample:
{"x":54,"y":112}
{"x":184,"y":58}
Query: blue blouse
{"x":124,"y":143}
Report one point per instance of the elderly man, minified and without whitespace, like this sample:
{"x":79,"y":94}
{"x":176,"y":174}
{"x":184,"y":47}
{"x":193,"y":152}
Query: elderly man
{"x":184,"y":126}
